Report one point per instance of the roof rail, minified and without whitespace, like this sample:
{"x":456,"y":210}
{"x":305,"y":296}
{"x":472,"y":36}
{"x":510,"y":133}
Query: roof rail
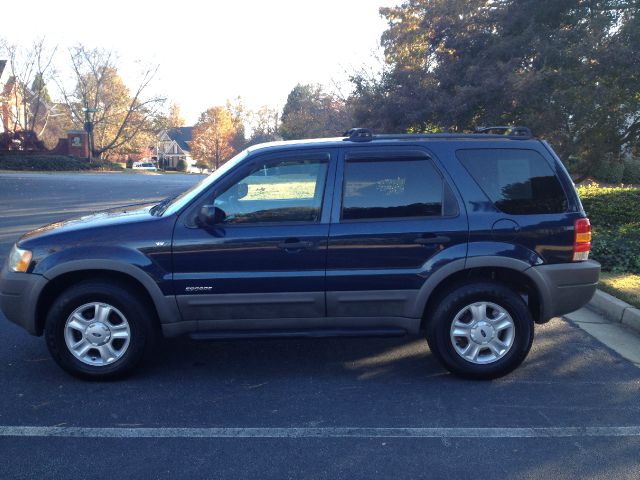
{"x":511,"y":132}
{"x":358,"y":135}
{"x":521,"y":132}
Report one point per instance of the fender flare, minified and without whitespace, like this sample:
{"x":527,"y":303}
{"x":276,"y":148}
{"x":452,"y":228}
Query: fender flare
{"x":165,"y":305}
{"x":460,"y":265}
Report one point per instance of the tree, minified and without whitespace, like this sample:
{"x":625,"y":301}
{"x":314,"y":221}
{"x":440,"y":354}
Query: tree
{"x":164,"y":120}
{"x":30,"y":66}
{"x":213,"y":136}
{"x":175,"y":120}
{"x":201,"y":165}
{"x":311,"y":112}
{"x":265,"y":125}
{"x":567,"y":69}
{"x":238,"y":115}
{"x":119,"y":116}
{"x":39,"y":87}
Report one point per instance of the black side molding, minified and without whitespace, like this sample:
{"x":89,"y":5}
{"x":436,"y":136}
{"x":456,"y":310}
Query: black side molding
{"x":304,"y":333}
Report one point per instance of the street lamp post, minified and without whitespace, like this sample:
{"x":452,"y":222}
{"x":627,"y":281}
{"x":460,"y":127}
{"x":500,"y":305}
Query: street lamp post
{"x":88,"y":127}
{"x":160,"y":154}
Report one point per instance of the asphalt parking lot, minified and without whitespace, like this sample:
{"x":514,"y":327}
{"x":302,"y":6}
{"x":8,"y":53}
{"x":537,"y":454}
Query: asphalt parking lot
{"x":322,"y":408}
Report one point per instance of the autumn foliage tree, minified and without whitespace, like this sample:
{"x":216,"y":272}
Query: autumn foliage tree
{"x":122,"y":117}
{"x":568,"y":69}
{"x":213,"y":137}
{"x":175,"y":119}
{"x":312,"y":112}
{"x":238,"y":114}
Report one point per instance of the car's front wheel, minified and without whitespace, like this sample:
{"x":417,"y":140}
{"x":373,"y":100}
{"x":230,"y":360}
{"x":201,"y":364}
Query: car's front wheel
{"x":98,"y":330}
{"x":481,"y":330}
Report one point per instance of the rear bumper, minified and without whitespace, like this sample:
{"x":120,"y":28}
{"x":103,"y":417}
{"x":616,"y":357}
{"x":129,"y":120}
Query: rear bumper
{"x":565,"y":287}
{"x":18,"y":298}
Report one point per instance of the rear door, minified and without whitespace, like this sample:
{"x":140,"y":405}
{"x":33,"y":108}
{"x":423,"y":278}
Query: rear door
{"x":395,"y":219}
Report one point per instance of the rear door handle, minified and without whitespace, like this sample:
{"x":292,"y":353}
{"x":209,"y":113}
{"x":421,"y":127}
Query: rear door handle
{"x":295,"y":244}
{"x":431,"y":240}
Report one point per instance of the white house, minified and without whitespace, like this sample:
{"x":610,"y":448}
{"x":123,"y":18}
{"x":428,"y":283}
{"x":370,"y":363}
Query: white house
{"x":173,"y":145}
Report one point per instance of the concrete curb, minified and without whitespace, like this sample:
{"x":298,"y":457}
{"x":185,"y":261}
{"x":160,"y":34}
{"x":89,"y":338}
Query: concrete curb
{"x":615,"y":310}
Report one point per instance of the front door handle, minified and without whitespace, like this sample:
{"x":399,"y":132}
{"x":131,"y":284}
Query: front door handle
{"x":293,"y":244}
{"x":432,"y":240}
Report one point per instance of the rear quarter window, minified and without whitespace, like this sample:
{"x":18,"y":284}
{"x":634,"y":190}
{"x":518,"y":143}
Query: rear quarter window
{"x":517,"y":181}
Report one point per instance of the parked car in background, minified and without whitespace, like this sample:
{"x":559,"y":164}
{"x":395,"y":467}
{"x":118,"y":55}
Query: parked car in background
{"x":145,"y":166}
{"x":467,"y":240}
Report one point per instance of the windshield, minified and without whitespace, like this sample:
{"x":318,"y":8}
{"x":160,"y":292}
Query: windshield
{"x":172,"y":205}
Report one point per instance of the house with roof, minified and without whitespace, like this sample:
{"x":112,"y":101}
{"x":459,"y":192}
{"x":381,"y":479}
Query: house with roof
{"x":173,"y":145}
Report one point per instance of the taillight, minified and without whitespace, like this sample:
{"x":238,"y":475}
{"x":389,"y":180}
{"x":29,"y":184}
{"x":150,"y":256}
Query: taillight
{"x":582,"y":240}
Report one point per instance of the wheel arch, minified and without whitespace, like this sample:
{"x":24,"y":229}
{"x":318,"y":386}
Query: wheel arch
{"x":62,"y":277}
{"x":509,"y":272}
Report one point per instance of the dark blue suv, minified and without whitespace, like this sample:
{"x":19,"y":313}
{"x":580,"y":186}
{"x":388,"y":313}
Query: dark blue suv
{"x":468,"y":240}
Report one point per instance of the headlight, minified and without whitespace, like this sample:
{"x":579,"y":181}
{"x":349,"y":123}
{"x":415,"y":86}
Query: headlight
{"x":19,"y":259}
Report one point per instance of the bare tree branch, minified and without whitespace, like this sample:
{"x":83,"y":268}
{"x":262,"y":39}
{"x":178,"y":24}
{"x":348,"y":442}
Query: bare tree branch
{"x":119,"y":117}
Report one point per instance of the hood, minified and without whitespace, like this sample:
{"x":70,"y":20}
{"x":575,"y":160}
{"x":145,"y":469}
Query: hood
{"x":105,"y":218}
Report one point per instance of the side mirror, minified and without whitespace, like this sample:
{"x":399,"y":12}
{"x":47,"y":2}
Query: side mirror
{"x":210,"y":215}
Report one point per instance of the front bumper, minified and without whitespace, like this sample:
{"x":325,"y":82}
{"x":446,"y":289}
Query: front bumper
{"x":19,"y":297}
{"x":566,"y":287}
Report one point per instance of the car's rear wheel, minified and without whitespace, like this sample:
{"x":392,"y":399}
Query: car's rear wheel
{"x":98,"y":330}
{"x":481,"y":330}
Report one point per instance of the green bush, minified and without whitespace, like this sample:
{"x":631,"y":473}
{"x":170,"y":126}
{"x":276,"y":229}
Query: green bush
{"x":105,"y":165}
{"x":181,"y":166}
{"x":609,"y":171}
{"x":617,"y":250}
{"x":52,"y":163}
{"x":611,"y":206}
{"x":614,"y":213}
{"x":631,"y":171}
{"x":202,"y":165}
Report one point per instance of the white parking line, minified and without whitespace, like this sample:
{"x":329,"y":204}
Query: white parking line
{"x":314,"y":432}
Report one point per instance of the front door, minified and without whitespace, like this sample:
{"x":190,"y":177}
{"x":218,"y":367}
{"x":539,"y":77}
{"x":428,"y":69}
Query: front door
{"x":263,"y":265}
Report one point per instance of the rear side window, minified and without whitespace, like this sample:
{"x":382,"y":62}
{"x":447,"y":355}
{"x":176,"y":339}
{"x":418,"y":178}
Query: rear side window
{"x":518,"y":182}
{"x":382,"y":189}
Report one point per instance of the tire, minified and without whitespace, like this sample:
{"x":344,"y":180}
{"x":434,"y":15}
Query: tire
{"x":110,"y":322}
{"x":477,"y":346}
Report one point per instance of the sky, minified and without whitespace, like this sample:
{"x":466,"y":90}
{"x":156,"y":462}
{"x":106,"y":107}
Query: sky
{"x":211,"y":51}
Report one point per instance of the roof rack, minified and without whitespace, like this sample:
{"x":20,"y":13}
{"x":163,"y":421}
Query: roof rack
{"x":510,"y":132}
{"x":522,"y":132}
{"x":358,"y":135}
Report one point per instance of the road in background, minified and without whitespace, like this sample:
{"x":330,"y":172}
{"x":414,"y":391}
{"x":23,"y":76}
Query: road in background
{"x":299,"y":393}
{"x":30,"y":200}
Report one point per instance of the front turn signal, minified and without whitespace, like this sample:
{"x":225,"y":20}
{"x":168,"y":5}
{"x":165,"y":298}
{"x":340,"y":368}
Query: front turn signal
{"x":19,"y":259}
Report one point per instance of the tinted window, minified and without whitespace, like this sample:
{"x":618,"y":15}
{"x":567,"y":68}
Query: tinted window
{"x":516,"y":181}
{"x":278,"y":191}
{"x":391,"y":189}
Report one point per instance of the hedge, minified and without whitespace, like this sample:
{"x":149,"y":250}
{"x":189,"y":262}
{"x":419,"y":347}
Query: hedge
{"x":58,"y":163}
{"x":614,"y":213}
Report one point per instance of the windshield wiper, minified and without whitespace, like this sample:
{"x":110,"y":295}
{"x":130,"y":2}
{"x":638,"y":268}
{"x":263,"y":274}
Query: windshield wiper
{"x":159,"y":209}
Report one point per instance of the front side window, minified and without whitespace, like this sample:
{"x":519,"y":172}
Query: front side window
{"x":387,"y":189}
{"x":286,"y":190}
{"x":517,"y":181}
